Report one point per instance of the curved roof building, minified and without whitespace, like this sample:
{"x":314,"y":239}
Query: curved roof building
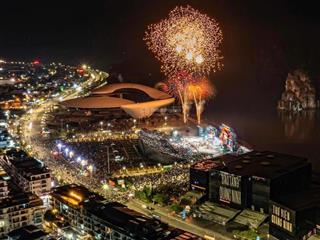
{"x":139,"y":101}
{"x":96,"y":102}
{"x":151,"y":92}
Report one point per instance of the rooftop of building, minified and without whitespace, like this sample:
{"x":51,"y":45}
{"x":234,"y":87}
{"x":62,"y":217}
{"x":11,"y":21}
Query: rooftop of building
{"x":178,"y":234}
{"x":152,"y":92}
{"x":117,"y":215}
{"x":26,"y":165}
{"x":29,"y":232}
{"x":209,"y":164}
{"x":18,"y":197}
{"x":136,"y":224}
{"x":130,"y":97}
{"x":75,"y":195}
{"x":264,"y":164}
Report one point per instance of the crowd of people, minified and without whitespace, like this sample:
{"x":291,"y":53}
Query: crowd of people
{"x":171,"y":146}
{"x":102,"y":136}
{"x":177,"y":176}
{"x":107,"y":155}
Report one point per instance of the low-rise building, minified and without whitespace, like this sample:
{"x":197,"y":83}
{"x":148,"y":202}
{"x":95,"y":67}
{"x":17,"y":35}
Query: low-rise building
{"x":4,"y":178}
{"x":29,"y":232}
{"x":296,"y":216}
{"x":90,"y":214}
{"x":20,"y":209}
{"x":252,"y":179}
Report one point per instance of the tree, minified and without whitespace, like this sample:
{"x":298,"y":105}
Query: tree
{"x":49,"y":216}
{"x":141,"y":195}
{"x":160,"y":198}
{"x":185,"y":201}
{"x":176,"y":208}
{"x":148,"y":192}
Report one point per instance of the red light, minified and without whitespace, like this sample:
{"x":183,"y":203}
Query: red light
{"x":80,"y":71}
{"x":36,"y":62}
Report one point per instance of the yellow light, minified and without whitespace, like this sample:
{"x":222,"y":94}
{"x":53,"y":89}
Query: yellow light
{"x":76,"y":196}
{"x":199,"y":59}
{"x":84,"y":66}
{"x":71,"y":200}
{"x":90,"y":168}
{"x":2,"y":223}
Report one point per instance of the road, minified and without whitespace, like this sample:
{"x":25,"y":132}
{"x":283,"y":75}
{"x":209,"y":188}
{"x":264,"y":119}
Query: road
{"x":175,"y":221}
{"x":30,"y":128}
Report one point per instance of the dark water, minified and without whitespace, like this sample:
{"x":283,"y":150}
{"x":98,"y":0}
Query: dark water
{"x":297,"y":134}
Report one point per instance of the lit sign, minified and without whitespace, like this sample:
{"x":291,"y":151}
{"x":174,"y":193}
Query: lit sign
{"x":230,"y":180}
{"x":281,"y":217}
{"x":229,"y":191}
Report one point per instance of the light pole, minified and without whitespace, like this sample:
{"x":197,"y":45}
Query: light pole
{"x":108,"y":160}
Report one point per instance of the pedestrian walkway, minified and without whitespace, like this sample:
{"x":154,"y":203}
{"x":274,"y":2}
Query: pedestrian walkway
{"x":216,"y":213}
{"x":251,"y":218}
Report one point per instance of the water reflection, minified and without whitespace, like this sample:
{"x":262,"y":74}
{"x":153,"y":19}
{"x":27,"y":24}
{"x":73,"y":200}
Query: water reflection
{"x":291,"y":133}
{"x":299,"y":126}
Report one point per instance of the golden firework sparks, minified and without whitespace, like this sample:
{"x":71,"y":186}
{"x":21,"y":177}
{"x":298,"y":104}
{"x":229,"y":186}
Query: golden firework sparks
{"x":186,"y":40}
{"x":200,"y":90}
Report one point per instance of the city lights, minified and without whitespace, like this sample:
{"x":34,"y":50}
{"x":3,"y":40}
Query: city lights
{"x":130,"y":154}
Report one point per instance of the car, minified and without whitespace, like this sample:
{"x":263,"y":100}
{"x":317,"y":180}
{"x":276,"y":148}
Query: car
{"x":156,"y":216}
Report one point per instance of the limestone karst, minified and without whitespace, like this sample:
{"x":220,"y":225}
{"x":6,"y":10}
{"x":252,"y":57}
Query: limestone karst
{"x":299,"y":92}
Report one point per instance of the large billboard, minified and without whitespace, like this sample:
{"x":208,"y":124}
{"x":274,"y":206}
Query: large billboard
{"x":230,"y":188}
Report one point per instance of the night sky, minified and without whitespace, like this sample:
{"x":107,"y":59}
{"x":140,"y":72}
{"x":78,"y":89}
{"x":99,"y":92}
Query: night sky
{"x":263,"y":40}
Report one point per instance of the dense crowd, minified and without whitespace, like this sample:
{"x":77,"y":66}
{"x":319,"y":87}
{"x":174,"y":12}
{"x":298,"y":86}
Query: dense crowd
{"x":167,"y":144}
{"x":123,"y":153}
{"x":177,"y":176}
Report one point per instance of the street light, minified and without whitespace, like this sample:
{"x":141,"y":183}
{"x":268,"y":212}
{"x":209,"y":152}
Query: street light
{"x":90,"y":169}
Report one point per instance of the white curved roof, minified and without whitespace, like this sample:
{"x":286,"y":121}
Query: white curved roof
{"x":151,"y":92}
{"x":145,"y":109}
{"x":101,"y":100}
{"x":96,"y":102}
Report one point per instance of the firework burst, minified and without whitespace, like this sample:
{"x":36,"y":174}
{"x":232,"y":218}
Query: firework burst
{"x":186,"y":40}
{"x":177,"y":85}
{"x":200,"y":90}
